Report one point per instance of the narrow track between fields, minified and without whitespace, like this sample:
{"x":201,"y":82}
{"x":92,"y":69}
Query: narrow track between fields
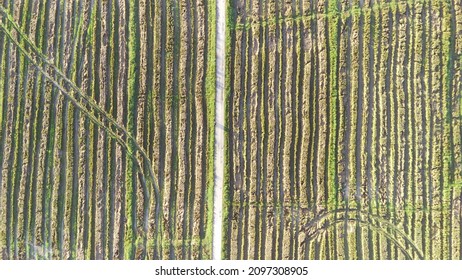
{"x":219,"y":131}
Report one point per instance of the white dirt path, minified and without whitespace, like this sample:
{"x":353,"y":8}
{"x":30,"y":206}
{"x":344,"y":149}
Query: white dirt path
{"x":219,"y":132}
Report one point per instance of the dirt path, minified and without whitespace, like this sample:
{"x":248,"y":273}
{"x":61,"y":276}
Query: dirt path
{"x":219,"y":131}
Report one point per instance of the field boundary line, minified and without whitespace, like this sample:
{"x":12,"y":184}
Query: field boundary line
{"x":219,"y":132}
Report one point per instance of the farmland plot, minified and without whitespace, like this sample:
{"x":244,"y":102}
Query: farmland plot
{"x":106,"y":135}
{"x":344,"y":132}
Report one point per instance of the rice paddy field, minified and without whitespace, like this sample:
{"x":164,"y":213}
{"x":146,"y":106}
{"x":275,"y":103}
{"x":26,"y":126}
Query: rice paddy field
{"x":344,"y":130}
{"x":106,"y":129}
